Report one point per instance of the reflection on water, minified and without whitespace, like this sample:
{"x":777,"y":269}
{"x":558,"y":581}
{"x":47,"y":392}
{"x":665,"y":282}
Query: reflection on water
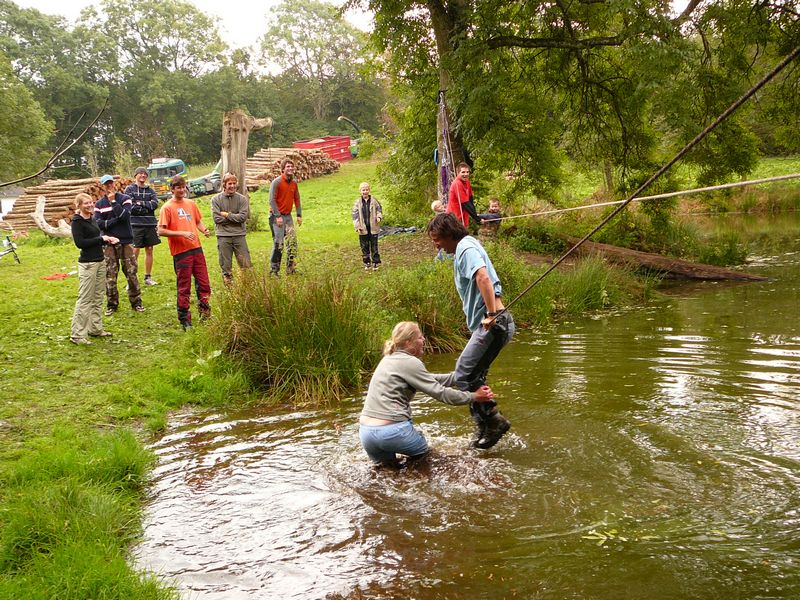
{"x":653,"y":453}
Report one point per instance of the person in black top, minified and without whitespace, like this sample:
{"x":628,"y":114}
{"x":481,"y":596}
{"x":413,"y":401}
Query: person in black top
{"x":88,"y":316}
{"x":143,"y":220}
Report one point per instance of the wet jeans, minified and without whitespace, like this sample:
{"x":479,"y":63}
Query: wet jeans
{"x":382,"y":442}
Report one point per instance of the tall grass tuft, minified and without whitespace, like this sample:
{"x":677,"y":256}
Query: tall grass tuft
{"x":302,"y":339}
{"x":426,"y":294}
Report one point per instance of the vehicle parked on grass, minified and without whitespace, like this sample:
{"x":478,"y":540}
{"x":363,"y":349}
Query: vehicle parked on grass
{"x":207,"y":184}
{"x":161,"y":170}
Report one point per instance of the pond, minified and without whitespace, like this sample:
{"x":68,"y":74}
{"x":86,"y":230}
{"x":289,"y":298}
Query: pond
{"x":653,"y":454}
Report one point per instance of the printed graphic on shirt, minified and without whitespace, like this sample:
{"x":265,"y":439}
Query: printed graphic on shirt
{"x":182,"y":214}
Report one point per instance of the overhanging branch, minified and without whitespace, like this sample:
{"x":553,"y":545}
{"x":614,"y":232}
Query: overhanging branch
{"x":513,"y":41}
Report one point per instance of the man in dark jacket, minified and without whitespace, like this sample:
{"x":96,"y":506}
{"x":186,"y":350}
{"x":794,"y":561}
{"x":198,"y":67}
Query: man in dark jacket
{"x":143,"y":220}
{"x":112,"y":212}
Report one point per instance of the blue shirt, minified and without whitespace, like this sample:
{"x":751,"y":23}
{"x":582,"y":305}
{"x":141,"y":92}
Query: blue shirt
{"x":469,"y":257}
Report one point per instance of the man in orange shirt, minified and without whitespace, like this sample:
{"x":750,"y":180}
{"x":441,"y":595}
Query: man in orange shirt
{"x":180,"y":222}
{"x":283,"y":194}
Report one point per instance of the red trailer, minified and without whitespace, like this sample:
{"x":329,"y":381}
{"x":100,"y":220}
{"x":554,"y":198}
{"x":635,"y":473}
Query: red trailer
{"x":335,"y":146}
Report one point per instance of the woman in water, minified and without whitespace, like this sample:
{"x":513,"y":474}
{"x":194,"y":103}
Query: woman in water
{"x":385,"y":424}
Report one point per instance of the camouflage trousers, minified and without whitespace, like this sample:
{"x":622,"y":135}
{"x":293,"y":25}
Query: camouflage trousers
{"x":283,"y":235}
{"x":116,"y":256}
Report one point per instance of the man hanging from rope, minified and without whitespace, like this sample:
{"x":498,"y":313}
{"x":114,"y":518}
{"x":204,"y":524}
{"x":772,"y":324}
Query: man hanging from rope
{"x":479,"y":287}
{"x":460,"y":199}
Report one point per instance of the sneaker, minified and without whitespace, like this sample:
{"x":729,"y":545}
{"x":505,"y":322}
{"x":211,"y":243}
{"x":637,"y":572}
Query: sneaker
{"x":149,"y":281}
{"x":139,"y":308}
{"x":186,"y":326}
{"x":376,"y":266}
{"x":110,"y":311}
{"x":367,"y":268}
{"x":80,"y":341}
{"x":101,"y":334}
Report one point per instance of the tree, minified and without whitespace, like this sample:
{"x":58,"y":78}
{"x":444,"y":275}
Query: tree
{"x":530,"y":81}
{"x":313,"y":44}
{"x":23,"y":127}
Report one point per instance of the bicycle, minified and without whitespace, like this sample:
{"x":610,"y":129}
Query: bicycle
{"x":9,"y":247}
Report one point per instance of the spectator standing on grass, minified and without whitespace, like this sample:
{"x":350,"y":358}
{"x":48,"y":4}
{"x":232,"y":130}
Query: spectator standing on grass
{"x":180,"y":221}
{"x":87,"y":320}
{"x":283,"y":195}
{"x":112,"y":212}
{"x":143,"y":220}
{"x":460,"y":199}
{"x":367,"y":215}
{"x":230,"y":211}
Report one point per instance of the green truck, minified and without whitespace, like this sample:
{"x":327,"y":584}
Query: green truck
{"x":162,"y":170}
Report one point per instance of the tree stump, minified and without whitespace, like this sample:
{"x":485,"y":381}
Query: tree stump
{"x":236,"y":128}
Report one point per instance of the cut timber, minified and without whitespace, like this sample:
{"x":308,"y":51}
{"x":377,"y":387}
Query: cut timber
{"x":673,"y":268}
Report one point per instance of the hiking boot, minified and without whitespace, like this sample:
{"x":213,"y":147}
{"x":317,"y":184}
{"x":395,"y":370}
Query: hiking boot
{"x":110,"y":310}
{"x":496,"y":426}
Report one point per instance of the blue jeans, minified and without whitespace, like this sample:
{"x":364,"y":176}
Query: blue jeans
{"x":472,"y":367}
{"x":382,"y":442}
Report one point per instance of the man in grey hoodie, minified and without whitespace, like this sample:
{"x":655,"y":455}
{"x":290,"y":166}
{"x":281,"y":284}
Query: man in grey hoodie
{"x":230,"y":211}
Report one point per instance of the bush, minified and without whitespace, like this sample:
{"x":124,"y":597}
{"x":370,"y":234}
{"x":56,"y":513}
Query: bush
{"x":305,"y":340}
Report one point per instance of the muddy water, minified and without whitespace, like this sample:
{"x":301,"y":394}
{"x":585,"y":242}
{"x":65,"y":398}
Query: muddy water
{"x":654,"y":453}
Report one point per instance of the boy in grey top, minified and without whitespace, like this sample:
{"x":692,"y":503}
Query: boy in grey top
{"x":230,"y":211}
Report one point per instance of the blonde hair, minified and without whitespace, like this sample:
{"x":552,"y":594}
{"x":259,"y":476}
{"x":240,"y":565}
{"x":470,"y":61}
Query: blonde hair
{"x":402,"y":334}
{"x":437,"y":206}
{"x":364,"y":183}
{"x":79,"y":200}
{"x":227,"y":177}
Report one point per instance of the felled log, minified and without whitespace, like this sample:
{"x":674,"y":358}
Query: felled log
{"x":672,"y":268}
{"x":62,"y":230}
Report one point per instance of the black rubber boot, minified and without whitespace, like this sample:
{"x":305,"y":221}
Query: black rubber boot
{"x":495,"y":425}
{"x":480,"y":423}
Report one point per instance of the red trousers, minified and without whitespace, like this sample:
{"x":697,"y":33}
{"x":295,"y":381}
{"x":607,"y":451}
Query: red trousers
{"x":187,"y":265}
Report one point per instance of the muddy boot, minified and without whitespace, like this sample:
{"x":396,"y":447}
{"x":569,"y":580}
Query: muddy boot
{"x":480,"y":423}
{"x":496,"y":426}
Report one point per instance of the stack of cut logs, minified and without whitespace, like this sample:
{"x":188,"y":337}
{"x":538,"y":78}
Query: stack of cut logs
{"x":60,"y":195}
{"x":265,"y":165}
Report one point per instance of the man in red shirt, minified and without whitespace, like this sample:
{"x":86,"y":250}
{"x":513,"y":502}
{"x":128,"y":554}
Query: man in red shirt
{"x":283,"y":194}
{"x":460,"y":201}
{"x":181,"y":223}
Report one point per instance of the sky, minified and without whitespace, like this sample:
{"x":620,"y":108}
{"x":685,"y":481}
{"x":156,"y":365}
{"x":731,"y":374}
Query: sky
{"x":242,"y":22}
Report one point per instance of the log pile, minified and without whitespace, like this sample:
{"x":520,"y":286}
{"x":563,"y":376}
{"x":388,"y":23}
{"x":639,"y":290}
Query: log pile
{"x":265,"y":165}
{"x":60,"y":198}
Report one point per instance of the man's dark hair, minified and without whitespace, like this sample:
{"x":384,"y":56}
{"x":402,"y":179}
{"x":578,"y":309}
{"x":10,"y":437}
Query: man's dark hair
{"x":446,"y":225}
{"x":284,"y":162}
{"x":176,"y":181}
{"x":461,"y":165}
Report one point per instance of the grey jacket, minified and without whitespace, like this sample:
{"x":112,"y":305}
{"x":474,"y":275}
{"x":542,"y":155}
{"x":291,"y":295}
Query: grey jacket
{"x":375,"y":216}
{"x":239,"y":208}
{"x":395,"y":381}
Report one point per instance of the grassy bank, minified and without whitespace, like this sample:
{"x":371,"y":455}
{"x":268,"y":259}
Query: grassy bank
{"x":72,"y":420}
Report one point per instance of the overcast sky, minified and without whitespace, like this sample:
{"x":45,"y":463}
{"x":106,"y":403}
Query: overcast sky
{"x":241,"y":22}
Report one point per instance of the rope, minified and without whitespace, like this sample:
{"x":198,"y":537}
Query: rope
{"x":449,"y":160}
{"x":725,"y":114}
{"x":712,"y":188}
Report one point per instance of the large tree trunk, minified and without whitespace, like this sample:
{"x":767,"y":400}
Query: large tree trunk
{"x":236,"y":128}
{"x":672,"y":268}
{"x":447,"y":23}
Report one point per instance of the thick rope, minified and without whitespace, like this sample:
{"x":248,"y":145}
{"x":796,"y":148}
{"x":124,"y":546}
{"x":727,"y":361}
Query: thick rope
{"x":449,"y":156}
{"x":723,"y":186}
{"x":725,"y":114}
